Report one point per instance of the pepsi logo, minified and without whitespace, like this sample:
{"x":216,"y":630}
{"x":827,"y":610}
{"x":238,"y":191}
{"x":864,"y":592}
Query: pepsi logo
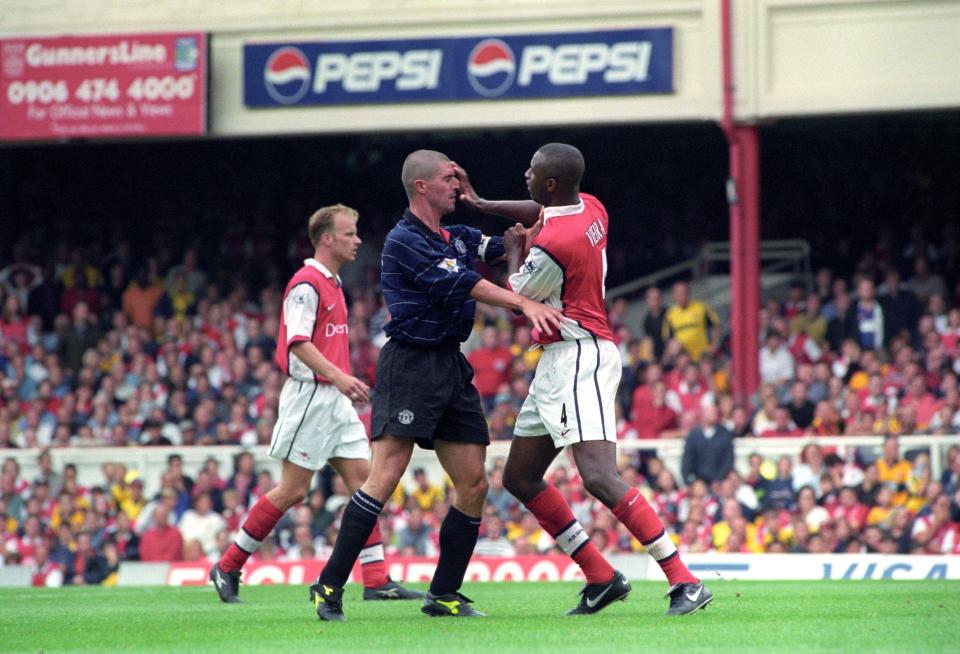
{"x":287,"y":75}
{"x":491,"y":67}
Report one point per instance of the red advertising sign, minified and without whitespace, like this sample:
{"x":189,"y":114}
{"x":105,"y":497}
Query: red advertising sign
{"x":401,"y":568}
{"x":103,"y":86}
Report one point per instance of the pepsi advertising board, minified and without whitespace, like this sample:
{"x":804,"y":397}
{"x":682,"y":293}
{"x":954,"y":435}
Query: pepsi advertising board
{"x":613,"y":62}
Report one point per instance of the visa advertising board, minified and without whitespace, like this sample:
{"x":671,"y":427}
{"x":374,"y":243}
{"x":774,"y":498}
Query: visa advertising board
{"x":557,"y":65}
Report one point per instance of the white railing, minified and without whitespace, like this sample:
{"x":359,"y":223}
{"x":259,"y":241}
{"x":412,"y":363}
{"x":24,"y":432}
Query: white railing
{"x":775,"y":256}
{"x":151,"y":461}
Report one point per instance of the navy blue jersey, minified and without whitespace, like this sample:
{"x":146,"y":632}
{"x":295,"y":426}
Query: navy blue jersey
{"x":427,"y":277}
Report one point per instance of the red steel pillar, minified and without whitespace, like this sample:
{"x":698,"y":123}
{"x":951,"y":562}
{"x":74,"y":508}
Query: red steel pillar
{"x":743,"y":197}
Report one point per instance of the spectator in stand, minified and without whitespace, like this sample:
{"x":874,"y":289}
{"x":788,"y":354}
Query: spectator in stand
{"x":643,"y":393}
{"x":494,"y":542}
{"x":244,"y":477}
{"x":178,"y":303}
{"x":414,"y":538}
{"x":76,"y":337}
{"x":882,"y":512}
{"x":763,"y":418}
{"x":839,"y":328}
{"x":892,"y":471}
{"x":924,"y":283}
{"x":936,"y":532}
{"x":46,"y":472}
{"x":692,"y":323}
{"x":691,"y":393}
{"x":850,"y":509}
{"x":950,"y":480}
{"x":499,"y":498}
{"x":82,"y":557}
{"x":950,"y":334}
{"x":865,"y":318}
{"x":653,"y":321}
{"x":45,"y":572}
{"x":152,"y":434}
{"x":708,"y":451}
{"x":795,"y":304}
{"x":162,"y":541}
{"x":923,"y":402}
{"x":779,"y":492}
{"x":491,"y":366}
{"x":126,"y":540}
{"x":19,"y":279}
{"x":201,"y":523}
{"x":776,"y":362}
{"x":838,"y":290}
{"x":15,"y":327}
{"x":114,"y":288}
{"x":782,"y":425}
{"x":425,"y":494}
{"x":901,"y":308}
{"x":799,"y":406}
{"x":194,"y":279}
{"x":810,"y":469}
{"x":141,"y":298}
{"x":811,"y":323}
{"x":823,"y":285}
{"x":651,"y":419}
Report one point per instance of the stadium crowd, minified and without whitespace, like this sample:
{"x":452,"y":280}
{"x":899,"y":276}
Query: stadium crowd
{"x":117,"y":351}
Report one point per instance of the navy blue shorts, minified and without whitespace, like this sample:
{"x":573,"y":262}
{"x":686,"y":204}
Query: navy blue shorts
{"x":427,"y":393}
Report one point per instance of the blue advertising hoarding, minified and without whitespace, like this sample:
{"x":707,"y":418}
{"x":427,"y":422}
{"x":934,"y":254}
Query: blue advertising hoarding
{"x":612,"y":62}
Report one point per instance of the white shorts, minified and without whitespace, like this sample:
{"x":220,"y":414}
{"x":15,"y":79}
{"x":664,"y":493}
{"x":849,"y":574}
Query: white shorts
{"x":573,"y":393}
{"x":315,"y":423}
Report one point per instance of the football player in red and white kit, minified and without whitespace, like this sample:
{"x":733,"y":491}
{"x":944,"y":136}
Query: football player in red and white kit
{"x":571,"y":400}
{"x":316,"y":421}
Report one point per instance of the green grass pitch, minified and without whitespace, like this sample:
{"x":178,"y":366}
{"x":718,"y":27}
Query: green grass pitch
{"x":818,"y":616}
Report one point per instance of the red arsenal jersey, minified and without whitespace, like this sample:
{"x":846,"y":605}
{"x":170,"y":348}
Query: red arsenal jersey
{"x":567,"y":268}
{"x":314,"y":310}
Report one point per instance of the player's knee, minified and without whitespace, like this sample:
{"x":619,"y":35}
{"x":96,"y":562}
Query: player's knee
{"x":473,"y":493}
{"x":381,"y":482}
{"x":287,"y":496}
{"x":517,"y":485}
{"x":601,"y":484}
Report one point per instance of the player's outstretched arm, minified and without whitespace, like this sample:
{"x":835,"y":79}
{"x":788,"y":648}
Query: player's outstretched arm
{"x":349,"y":385}
{"x":544,"y":318}
{"x":526,"y":212}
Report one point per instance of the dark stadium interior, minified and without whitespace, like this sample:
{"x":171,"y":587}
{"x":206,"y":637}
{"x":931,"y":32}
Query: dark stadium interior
{"x":837,"y":182}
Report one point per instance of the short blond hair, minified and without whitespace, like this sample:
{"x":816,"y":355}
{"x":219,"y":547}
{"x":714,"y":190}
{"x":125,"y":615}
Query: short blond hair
{"x":321,"y":222}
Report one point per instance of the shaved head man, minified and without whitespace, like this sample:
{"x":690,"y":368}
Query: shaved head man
{"x":424,"y":393}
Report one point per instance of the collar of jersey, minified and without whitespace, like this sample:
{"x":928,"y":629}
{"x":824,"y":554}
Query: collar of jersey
{"x":322,"y":268}
{"x":567,"y":210}
{"x":412,"y":220}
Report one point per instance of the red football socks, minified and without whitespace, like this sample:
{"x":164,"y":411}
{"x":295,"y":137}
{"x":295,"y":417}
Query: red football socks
{"x":642,"y":521}
{"x":554,"y":515}
{"x":261,"y":520}
{"x":372,"y":565}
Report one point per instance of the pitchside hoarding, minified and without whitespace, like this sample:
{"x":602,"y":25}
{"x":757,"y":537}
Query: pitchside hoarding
{"x":613,"y":62}
{"x":103,"y":86}
{"x":808,"y":567}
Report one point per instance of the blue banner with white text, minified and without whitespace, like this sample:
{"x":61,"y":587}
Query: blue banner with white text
{"x":612,"y":62}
